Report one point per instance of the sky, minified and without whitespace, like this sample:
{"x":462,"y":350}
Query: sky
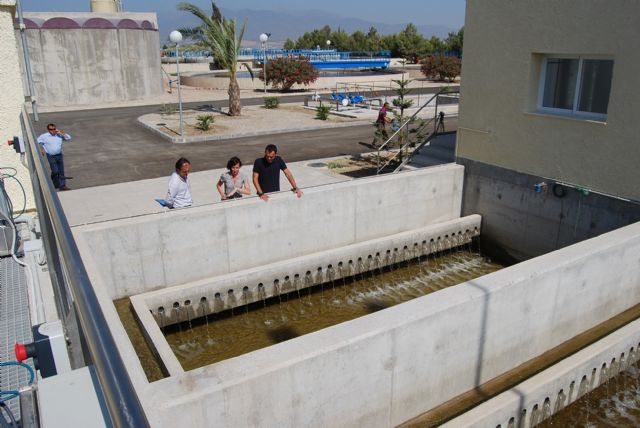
{"x":449,"y":13}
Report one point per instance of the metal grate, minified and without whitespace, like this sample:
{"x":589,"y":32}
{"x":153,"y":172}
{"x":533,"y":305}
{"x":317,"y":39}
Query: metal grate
{"x":15,"y":326}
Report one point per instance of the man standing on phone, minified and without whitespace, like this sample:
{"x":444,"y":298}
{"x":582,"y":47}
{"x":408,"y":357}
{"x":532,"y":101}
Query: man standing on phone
{"x":51,"y":142}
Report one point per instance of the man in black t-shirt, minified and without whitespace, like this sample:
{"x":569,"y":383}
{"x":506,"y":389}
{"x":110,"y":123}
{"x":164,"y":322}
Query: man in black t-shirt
{"x":266,"y":173}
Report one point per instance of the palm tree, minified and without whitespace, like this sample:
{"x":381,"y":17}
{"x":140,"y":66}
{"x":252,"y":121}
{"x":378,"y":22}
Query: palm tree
{"x":219,"y":35}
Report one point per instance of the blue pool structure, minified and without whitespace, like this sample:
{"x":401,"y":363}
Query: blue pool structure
{"x":320,"y":58}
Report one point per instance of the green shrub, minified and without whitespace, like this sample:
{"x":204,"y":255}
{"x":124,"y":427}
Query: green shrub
{"x":204,"y":122}
{"x":271,"y":102}
{"x":285,"y":72}
{"x":337,"y":164}
{"x":167,"y":108}
{"x":322,"y":112}
{"x":441,"y":67}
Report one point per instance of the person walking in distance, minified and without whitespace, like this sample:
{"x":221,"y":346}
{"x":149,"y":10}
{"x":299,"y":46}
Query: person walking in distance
{"x":51,"y":142}
{"x":266,"y":174}
{"x":381,"y":125}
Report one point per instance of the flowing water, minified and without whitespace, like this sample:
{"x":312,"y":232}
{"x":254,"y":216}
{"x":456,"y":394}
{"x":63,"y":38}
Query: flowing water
{"x":226,"y":335}
{"x":221,"y":336}
{"x":613,"y":404}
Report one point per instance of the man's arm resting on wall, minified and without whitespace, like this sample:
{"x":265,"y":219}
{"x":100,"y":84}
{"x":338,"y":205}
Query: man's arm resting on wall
{"x":259,"y":191}
{"x":294,"y":187}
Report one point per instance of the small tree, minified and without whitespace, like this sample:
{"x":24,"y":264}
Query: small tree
{"x":285,"y":72}
{"x":455,"y":41}
{"x":222,"y":38}
{"x":414,"y":131}
{"x":401,"y":103}
{"x":441,"y":67}
{"x":322,"y":112}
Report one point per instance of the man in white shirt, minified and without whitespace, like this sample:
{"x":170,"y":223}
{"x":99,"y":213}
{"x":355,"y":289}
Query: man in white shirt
{"x":51,"y":142}
{"x":179,"y":193}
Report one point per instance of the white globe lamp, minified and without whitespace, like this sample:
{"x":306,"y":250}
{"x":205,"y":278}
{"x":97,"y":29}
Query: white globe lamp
{"x":263,"y":41}
{"x":176,"y":37}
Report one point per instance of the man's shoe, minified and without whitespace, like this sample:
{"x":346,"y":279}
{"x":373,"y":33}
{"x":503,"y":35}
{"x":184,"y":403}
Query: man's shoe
{"x":65,"y":188}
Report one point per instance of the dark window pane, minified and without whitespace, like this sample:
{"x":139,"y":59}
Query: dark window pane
{"x":595,"y":86}
{"x":560,"y":83}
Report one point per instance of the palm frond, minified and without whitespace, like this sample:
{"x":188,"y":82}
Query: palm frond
{"x":195,"y":10}
{"x":215,"y":14}
{"x":248,"y":69}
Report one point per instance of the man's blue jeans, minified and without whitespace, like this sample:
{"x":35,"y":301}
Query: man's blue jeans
{"x":57,"y":170}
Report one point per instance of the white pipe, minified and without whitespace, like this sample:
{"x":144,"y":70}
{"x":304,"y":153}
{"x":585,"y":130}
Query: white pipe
{"x":104,"y":6}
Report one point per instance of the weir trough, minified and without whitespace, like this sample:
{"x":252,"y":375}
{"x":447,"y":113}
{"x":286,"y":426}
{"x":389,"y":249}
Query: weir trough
{"x":378,"y":370}
{"x":189,"y":301}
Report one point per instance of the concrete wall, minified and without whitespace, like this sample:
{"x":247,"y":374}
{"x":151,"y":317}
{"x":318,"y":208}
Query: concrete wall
{"x":385,"y":368}
{"x":505,"y":43}
{"x":10,"y":106}
{"x":518,"y":223}
{"x":254,"y":285}
{"x":83,"y":66}
{"x":552,"y":390}
{"x":135,"y":255}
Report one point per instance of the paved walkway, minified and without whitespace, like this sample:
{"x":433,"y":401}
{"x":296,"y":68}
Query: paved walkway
{"x":123,"y":200}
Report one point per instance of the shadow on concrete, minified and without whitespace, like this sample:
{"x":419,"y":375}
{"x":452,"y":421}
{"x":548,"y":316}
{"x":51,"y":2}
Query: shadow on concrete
{"x":375,"y":305}
{"x":282,"y":334}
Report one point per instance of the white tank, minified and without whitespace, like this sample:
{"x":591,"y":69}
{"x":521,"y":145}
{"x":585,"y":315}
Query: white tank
{"x":104,"y":6}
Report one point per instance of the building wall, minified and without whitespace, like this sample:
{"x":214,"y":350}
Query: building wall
{"x":505,"y":42}
{"x":84,"y":66}
{"x":10,"y":107}
{"x":519,"y":223}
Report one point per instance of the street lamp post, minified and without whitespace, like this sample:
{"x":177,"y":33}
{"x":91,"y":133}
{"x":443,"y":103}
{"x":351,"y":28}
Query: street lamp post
{"x":176,"y":37}
{"x":328,"y":44}
{"x":263,"y":40}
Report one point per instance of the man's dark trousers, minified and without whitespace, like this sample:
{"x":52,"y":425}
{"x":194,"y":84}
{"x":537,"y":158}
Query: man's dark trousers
{"x":57,"y":170}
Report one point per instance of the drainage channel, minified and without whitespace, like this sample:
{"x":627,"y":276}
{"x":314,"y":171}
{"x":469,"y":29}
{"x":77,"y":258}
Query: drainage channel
{"x":240,"y":330}
{"x":469,"y":400}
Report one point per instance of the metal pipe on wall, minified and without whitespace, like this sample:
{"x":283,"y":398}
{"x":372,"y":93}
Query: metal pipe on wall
{"x":27,"y":62}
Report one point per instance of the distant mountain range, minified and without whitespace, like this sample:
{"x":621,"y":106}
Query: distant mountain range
{"x":290,"y":24}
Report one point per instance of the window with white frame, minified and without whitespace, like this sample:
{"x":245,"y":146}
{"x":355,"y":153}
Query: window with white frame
{"x":577,"y":86}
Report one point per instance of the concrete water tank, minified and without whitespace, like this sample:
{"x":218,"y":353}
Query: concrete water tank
{"x":104,"y":6}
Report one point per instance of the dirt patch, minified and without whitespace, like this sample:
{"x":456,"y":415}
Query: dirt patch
{"x":253,"y":119}
{"x":361,"y":166}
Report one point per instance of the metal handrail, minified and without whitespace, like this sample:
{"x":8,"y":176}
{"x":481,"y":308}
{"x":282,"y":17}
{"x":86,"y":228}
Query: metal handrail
{"x":168,"y":79}
{"x":123,"y":406}
{"x":406,"y":124}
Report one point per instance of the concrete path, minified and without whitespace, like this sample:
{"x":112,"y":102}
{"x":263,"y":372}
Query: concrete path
{"x":123,"y":200}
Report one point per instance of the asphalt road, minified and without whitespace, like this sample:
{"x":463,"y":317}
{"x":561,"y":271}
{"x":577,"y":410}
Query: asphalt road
{"x":110,"y":147}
